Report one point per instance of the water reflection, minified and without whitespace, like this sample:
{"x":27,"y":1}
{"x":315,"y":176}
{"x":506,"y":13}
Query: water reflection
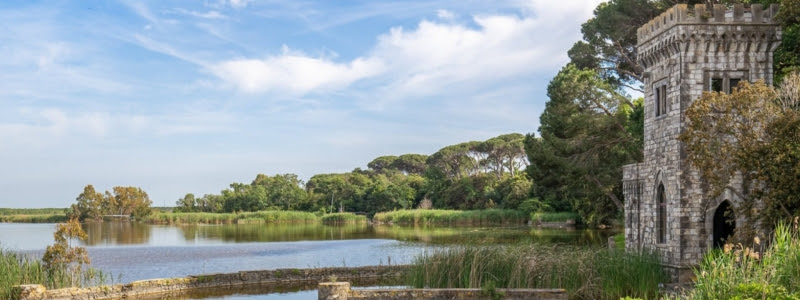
{"x":242,"y":233}
{"x":116,"y":233}
{"x":126,"y":233}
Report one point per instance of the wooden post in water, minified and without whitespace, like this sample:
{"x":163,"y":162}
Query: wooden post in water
{"x":333,"y":290}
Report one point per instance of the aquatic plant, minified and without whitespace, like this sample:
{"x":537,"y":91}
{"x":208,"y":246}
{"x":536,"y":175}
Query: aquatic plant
{"x":436,"y":216}
{"x":586,"y":273}
{"x":559,"y":217}
{"x":34,"y":218}
{"x":258,"y":217}
{"x":343,"y":218}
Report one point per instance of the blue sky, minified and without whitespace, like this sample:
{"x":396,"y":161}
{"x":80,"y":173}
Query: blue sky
{"x":189,"y":96}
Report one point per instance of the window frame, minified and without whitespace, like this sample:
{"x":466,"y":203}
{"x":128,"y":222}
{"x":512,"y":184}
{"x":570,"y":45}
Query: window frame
{"x":660,"y":97}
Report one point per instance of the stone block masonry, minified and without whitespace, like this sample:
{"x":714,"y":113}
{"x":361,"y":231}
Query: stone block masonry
{"x":342,"y":291}
{"x":178,"y":286}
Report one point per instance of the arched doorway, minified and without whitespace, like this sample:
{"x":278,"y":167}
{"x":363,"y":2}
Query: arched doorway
{"x":724,"y":223}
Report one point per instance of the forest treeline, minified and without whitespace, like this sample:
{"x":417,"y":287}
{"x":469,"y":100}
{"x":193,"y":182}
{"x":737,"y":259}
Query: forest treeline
{"x":469,"y":175}
{"x":591,"y":126}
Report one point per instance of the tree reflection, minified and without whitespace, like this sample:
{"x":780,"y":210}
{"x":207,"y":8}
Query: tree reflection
{"x":116,"y":233}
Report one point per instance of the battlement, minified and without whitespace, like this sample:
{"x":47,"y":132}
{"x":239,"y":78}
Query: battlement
{"x":704,"y":14}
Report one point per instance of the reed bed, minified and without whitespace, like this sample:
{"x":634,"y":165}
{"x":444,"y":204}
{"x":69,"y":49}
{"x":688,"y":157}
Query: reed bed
{"x":37,"y":218}
{"x":258,"y":217}
{"x":586,"y":273}
{"x":33,"y":211}
{"x":343,"y":218}
{"x":555,"y":217}
{"x":756,"y":272}
{"x":17,"y":268}
{"x":436,"y":216}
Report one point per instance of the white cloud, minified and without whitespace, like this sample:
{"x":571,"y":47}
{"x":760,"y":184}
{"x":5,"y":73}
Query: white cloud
{"x":294,"y":72}
{"x":445,"y":14}
{"x":211,"y":14}
{"x":239,"y":3}
{"x":435,"y":56}
{"x":48,"y":127}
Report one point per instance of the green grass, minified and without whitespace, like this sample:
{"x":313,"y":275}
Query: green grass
{"x":435,"y":216}
{"x":619,"y":241}
{"x":33,"y":215}
{"x":586,"y":273}
{"x":744,"y":273}
{"x":33,"y":211}
{"x":16,"y":269}
{"x":39,"y":218}
{"x":259,"y":217}
{"x":343,"y":218}
{"x":555,"y":217}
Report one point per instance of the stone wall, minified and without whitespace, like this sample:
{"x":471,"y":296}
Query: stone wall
{"x":342,"y":291}
{"x":175,"y":286}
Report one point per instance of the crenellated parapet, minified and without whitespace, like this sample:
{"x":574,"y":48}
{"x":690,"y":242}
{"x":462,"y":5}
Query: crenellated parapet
{"x":708,"y":30}
{"x":703,"y":14}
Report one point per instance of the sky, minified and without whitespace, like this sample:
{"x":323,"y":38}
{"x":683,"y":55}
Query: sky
{"x":182,"y":97}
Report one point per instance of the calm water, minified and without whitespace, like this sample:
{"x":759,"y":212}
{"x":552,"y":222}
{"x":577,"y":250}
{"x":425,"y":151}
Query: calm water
{"x":134,"y":251}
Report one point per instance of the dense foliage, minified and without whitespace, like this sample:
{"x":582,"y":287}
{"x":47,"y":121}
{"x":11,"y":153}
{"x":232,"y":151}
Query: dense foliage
{"x":587,"y":134}
{"x":758,"y":128}
{"x":128,"y":201}
{"x":471,"y":175}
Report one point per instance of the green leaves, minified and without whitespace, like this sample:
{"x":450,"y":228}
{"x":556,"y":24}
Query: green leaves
{"x":589,"y":130}
{"x":758,"y":128}
{"x":131,"y":201}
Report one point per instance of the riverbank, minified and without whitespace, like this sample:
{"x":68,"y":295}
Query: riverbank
{"x":183,"y":285}
{"x":452,"y":217}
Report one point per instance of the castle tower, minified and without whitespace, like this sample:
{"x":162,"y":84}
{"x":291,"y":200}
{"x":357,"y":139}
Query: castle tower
{"x":685,"y":51}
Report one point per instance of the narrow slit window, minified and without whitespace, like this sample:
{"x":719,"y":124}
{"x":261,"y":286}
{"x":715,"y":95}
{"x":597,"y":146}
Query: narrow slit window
{"x":658,"y":101}
{"x":661,"y":99}
{"x":661,"y":214}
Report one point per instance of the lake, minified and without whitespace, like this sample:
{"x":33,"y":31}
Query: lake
{"x":134,"y":251}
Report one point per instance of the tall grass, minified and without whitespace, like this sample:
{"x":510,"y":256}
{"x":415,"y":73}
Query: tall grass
{"x":38,"y":218}
{"x":16,"y":269}
{"x":258,"y":217}
{"x":33,"y":211}
{"x":343,"y":218}
{"x":435,"y":216}
{"x":559,"y":217}
{"x":586,"y":273}
{"x":752,"y":273}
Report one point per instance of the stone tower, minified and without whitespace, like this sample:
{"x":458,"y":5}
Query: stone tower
{"x":685,"y":51}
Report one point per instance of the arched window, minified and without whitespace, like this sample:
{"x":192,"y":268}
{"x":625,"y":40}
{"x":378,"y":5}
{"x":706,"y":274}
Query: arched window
{"x":661,"y":214}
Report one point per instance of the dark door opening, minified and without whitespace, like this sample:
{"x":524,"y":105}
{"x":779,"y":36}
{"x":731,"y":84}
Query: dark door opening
{"x":724,"y":223}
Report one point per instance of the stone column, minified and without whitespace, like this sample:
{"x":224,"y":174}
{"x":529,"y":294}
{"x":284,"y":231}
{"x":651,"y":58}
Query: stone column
{"x":333,"y":290}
